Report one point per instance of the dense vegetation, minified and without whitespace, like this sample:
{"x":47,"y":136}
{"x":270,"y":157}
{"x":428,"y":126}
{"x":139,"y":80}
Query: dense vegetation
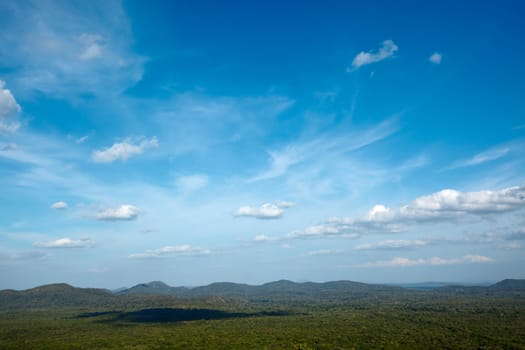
{"x":63,"y":317}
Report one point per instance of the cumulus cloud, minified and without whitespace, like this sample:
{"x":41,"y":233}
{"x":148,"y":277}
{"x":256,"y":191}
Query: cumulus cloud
{"x":445,"y":205}
{"x":435,"y":58}
{"x":59,"y":205}
{"x":387,"y":50}
{"x":441,"y":207}
{"x":171,"y":251}
{"x":123,"y":150}
{"x":265,"y":211}
{"x":434,"y":261}
{"x":66,"y":242}
{"x":123,"y":212}
{"x":9,"y":109}
{"x":392,"y":244}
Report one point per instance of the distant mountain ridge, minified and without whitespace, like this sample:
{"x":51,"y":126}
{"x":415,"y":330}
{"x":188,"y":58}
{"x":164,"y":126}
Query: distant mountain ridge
{"x":64,"y":295}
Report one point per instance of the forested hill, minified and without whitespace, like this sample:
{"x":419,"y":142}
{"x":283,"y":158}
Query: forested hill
{"x":64,"y":295}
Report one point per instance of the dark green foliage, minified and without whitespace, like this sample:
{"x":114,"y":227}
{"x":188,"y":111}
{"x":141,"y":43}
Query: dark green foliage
{"x":96,"y":319}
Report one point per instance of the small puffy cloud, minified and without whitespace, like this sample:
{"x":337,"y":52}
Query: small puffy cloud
{"x":123,"y":150}
{"x":59,"y":205}
{"x":325,"y":252}
{"x":387,"y":50}
{"x":392,"y":244}
{"x":66,"y":242}
{"x":171,"y":251}
{"x":123,"y":212}
{"x":435,"y":58}
{"x":434,"y":261}
{"x":190,"y":183}
{"x":9,"y":109}
{"x":265,"y":211}
{"x":261,"y":238}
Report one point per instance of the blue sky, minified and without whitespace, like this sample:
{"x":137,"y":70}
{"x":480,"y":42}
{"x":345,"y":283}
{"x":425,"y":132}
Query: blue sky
{"x":192,"y":142}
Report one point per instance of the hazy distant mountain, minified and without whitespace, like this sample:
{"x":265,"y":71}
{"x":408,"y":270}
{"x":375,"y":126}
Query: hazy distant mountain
{"x":278,"y":290}
{"x":154,"y":288}
{"x":64,"y":295}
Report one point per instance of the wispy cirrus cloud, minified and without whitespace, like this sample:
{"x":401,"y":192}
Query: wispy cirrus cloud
{"x":392,"y":244}
{"x":65,"y":242}
{"x":24,"y":255}
{"x":387,"y":49}
{"x":324,"y":146}
{"x":191,"y":183}
{"x":123,"y":150}
{"x":490,"y":155}
{"x":171,"y":251}
{"x":68,"y":48}
{"x":325,"y":252}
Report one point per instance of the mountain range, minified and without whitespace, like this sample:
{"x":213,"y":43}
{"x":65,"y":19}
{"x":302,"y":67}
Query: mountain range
{"x":64,"y":295}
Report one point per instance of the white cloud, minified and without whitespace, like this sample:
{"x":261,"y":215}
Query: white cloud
{"x":93,"y":46}
{"x":65,"y":242}
{"x":59,"y":205}
{"x":434,"y":261}
{"x":387,"y":49}
{"x":489,"y":155}
{"x":262,"y":238}
{"x":9,"y":109}
{"x":190,"y":183}
{"x":392,"y":244}
{"x":124,"y":212}
{"x":8,"y":105}
{"x":82,"y":139}
{"x":123,"y":150}
{"x":171,"y":251}
{"x":265,"y":211}
{"x":446,"y":205}
{"x":24,"y":255}
{"x":324,"y":230}
{"x":69,"y":48}
{"x":435,"y":58}
{"x":326,"y":146}
{"x":285,"y":204}
{"x":325,"y":252}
